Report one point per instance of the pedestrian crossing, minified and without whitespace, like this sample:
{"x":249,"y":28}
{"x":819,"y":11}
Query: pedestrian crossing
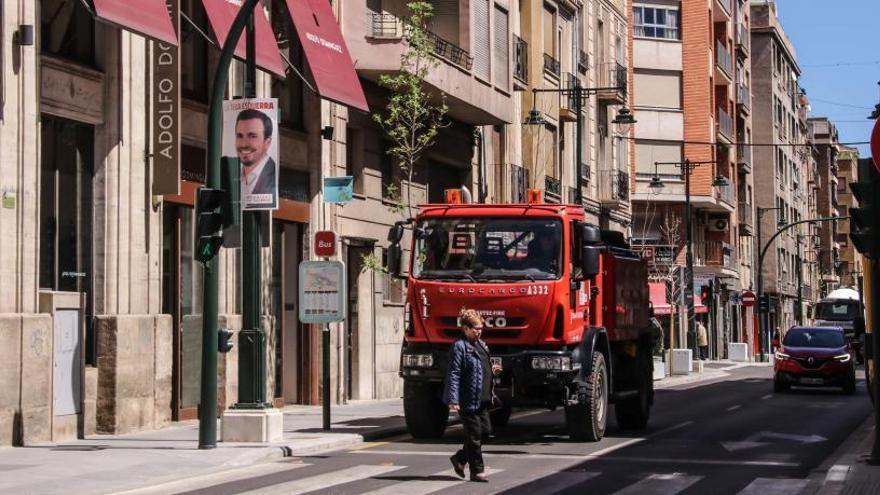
{"x":401,"y":479}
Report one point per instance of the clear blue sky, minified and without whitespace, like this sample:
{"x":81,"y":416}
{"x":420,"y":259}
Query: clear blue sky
{"x":838,"y":49}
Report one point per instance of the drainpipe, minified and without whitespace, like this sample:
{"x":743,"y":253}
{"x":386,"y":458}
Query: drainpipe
{"x":481,"y":165}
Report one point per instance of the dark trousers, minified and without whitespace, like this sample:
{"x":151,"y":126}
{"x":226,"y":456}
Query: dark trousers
{"x":476,"y":427}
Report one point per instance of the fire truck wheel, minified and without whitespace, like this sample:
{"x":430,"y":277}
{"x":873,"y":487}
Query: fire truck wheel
{"x":426,"y":414}
{"x":500,"y":416}
{"x":633,"y":413}
{"x":586,"y":420}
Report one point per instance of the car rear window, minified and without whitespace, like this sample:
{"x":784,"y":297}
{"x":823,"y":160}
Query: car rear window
{"x":812,"y":337}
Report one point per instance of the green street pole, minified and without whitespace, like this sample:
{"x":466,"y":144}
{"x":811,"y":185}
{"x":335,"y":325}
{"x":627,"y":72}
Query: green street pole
{"x":251,"y":339}
{"x":208,"y":387}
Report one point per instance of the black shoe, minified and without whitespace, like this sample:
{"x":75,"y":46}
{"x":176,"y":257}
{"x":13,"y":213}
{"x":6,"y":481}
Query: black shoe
{"x":458,"y":468}
{"x":479,"y":477}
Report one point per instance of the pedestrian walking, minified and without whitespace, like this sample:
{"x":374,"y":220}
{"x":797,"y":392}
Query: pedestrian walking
{"x":702,"y":340}
{"x":469,"y":393}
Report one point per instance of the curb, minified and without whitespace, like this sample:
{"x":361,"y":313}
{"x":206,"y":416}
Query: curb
{"x":822,"y":481}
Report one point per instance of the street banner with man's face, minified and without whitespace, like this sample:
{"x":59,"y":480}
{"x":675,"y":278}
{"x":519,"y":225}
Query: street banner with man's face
{"x":250,"y":131}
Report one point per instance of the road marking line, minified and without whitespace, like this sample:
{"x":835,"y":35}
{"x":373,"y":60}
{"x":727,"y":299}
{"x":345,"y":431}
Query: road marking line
{"x":427,"y":485}
{"x":733,"y":408}
{"x":768,"y":396}
{"x":367,"y":445}
{"x":671,"y":428}
{"x":458,"y":426}
{"x":837,"y":472}
{"x":326,"y":480}
{"x":711,"y":462}
{"x":216,"y":478}
{"x":660,"y":484}
{"x":776,"y":486}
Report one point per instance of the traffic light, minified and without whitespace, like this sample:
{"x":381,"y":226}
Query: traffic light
{"x":224,"y":340}
{"x":706,"y":293}
{"x":863,"y":219}
{"x":764,"y":303}
{"x":209,"y":223}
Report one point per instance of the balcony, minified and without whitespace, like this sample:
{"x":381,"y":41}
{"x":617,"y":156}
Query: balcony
{"x":583,"y":62}
{"x":378,"y":40}
{"x":743,"y":39}
{"x":724,"y":124}
{"x":744,"y":157}
{"x":746,"y":218}
{"x":551,"y":66}
{"x":723,"y":64}
{"x":520,"y":60}
{"x":568,"y":105}
{"x":612,"y":81}
{"x":714,"y":254}
{"x":727,"y":194}
{"x":743,"y":98}
{"x":552,"y":189}
{"x":613,"y":188}
{"x":723,"y":10}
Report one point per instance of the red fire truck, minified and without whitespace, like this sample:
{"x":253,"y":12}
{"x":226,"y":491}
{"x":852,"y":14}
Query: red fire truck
{"x":565,"y":306}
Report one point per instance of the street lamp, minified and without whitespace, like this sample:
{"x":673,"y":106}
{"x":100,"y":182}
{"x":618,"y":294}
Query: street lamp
{"x":760,"y":213}
{"x":687,"y":167}
{"x":624,"y":119}
{"x":800,"y":277}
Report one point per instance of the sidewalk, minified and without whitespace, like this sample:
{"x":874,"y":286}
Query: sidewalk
{"x":104,"y":464}
{"x":846,"y":471}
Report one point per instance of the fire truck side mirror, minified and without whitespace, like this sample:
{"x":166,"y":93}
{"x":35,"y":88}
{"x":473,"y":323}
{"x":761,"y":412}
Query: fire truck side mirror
{"x":589,"y":261}
{"x":395,"y":233}
{"x":394,"y":256}
{"x":590,"y":235}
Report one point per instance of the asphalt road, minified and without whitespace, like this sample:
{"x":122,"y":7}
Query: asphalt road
{"x":728,"y":437}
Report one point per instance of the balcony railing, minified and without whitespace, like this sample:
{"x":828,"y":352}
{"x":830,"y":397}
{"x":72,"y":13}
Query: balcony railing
{"x":520,"y":59}
{"x":613,"y":75}
{"x":723,"y":59}
{"x":449,"y":51}
{"x":726,"y":194}
{"x":727,"y":5}
{"x":613,"y":186}
{"x":724,"y":123}
{"x":743,"y":37}
{"x":551,"y":65}
{"x":744,"y":155}
{"x":552,"y":189}
{"x":385,"y":26}
{"x":571,"y":81}
{"x":583,"y":62}
{"x":743,"y":96}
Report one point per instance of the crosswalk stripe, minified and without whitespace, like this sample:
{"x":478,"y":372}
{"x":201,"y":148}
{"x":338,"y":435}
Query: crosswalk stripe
{"x":214,"y":479}
{"x":776,"y":486}
{"x":660,"y":484}
{"x":426,"y":486}
{"x":325,"y":480}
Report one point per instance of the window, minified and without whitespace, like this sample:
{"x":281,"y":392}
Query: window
{"x":386,"y":168}
{"x":648,"y":152}
{"x":193,"y":53}
{"x":68,"y":31}
{"x":289,"y":90}
{"x":482,"y":39}
{"x":354,"y":165}
{"x":549,"y":31}
{"x":502,"y":48}
{"x":656,"y":22}
{"x":392,"y":288}
{"x":658,"y":90}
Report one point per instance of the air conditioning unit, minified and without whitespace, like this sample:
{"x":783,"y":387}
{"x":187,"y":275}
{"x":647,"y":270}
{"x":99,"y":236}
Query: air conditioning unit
{"x":719,"y":224}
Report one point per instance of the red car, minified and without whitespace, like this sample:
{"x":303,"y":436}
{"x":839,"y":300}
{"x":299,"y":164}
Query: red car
{"x":814,"y":356}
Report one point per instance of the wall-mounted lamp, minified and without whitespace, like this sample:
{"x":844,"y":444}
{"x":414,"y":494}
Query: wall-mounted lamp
{"x":24,"y":36}
{"x":327,"y":132}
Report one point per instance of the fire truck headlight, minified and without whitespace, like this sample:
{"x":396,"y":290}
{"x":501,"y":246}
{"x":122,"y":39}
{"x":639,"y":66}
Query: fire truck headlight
{"x":418,"y":361}
{"x":556,"y":363}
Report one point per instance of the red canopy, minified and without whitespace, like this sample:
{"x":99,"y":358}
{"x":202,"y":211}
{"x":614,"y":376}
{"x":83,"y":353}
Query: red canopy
{"x":326,"y":52}
{"x":149,"y":18}
{"x":221,"y":15}
{"x":661,"y":304}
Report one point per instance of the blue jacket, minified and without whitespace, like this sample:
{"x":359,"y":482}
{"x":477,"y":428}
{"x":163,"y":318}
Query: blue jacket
{"x":464,"y":378}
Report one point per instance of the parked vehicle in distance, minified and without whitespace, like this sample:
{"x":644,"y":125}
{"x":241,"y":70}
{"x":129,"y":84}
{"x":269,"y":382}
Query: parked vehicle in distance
{"x":840,"y":308}
{"x":814,"y":356}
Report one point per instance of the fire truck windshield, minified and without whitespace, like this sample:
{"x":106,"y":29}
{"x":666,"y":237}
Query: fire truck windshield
{"x":488,"y":249}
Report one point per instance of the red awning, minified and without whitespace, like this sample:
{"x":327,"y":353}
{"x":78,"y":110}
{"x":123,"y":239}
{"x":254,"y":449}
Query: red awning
{"x":661,"y":304}
{"x":149,"y":18}
{"x":221,"y":15}
{"x":327,"y":53}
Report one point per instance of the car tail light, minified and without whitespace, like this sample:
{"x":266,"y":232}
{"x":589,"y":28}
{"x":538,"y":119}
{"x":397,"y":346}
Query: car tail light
{"x":843,"y":358}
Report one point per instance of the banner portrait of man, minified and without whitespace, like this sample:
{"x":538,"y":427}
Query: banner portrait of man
{"x":250,"y":130}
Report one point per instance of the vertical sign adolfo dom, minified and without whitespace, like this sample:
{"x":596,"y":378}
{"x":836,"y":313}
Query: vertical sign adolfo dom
{"x":165,"y":145}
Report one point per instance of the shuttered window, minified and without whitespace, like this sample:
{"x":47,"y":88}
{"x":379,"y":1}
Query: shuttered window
{"x":444,"y":22}
{"x":482,"y":37}
{"x":502,"y":49}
